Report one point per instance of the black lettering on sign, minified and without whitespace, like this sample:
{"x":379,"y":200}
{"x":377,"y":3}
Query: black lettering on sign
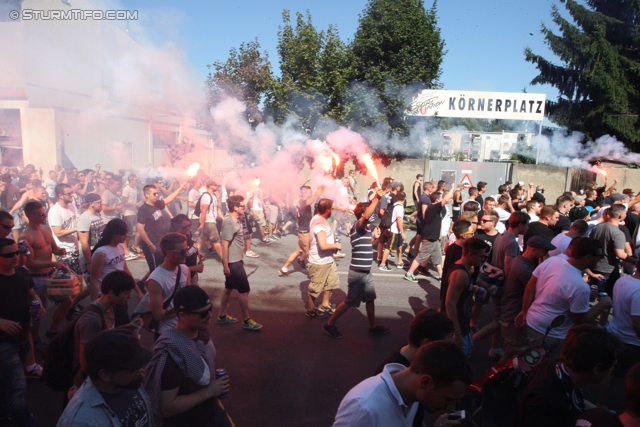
{"x":531,"y":106}
{"x":452,"y":103}
{"x":507,"y":104}
{"x":472,"y":101}
{"x":461,"y":103}
{"x":499,"y":105}
{"x":539,"y":110}
{"x":481,"y":104}
{"x":523,"y":107}
{"x":515,"y":105}
{"x":490,"y":106}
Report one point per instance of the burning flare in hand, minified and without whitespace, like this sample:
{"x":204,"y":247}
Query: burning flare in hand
{"x":193,"y":169}
{"x":371,"y":167}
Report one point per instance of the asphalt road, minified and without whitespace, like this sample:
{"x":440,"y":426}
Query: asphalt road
{"x":290,"y":373}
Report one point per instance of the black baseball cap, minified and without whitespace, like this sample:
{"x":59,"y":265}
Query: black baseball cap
{"x":191,"y":298}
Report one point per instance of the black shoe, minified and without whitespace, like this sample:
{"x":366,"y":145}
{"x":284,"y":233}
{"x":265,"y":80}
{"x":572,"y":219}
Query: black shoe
{"x":332,"y":331}
{"x":379,"y":330}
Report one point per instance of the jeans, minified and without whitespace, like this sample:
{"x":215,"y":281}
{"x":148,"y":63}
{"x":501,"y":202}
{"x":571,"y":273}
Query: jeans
{"x":13,"y":384}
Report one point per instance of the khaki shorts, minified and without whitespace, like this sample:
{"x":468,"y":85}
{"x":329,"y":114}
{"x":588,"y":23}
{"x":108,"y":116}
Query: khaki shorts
{"x":431,"y":249}
{"x":210,"y":232}
{"x":303,"y":242}
{"x":258,"y":216}
{"x":323,"y":277}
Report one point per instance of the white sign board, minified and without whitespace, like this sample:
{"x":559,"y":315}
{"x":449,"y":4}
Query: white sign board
{"x":479,"y":105}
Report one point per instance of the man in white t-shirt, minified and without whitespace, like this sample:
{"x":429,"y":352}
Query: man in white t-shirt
{"x":131,"y":201}
{"x":192,"y":200}
{"x":209,"y":212}
{"x":557,"y":288}
{"x":626,"y":308}
{"x":323,"y":274}
{"x":111,"y":204}
{"x":396,"y":234}
{"x":50,"y":184}
{"x":63,"y":221}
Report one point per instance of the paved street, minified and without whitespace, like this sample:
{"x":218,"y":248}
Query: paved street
{"x":290,"y":373}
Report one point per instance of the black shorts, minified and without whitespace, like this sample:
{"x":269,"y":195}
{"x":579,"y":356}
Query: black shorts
{"x":238,"y":279}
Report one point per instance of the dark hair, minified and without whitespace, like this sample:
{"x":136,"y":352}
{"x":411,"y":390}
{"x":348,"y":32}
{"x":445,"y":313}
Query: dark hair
{"x":324,"y":206}
{"x":5,"y":215}
{"x":305,"y":187}
{"x":580,"y":225}
{"x":589,"y":193}
{"x":117,"y":282}
{"x":632,"y":390}
{"x":360,"y":209}
{"x":563,"y":199}
{"x":429,"y":325}
{"x":518,"y":218}
{"x":583,"y":246}
{"x":170,"y":240}
{"x":588,"y":346}
{"x":60,"y":189}
{"x":444,"y":362}
{"x":147,"y":188}
{"x":531,"y":204}
{"x":460,"y":226}
{"x":489,"y":199}
{"x":471,"y":205}
{"x":173,"y":225}
{"x":473,"y":191}
{"x":419,"y":175}
{"x":32,"y":207}
{"x":435,"y":196}
{"x":502,"y":188}
{"x":114,"y":227}
{"x":6,"y":242}
{"x":401,"y":196}
{"x":615,"y":211}
{"x":234,"y":201}
{"x":474,"y":244}
{"x":481,"y":185}
{"x":503,"y":199}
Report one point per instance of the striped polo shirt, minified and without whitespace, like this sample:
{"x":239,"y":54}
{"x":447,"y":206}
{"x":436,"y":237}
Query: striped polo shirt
{"x":361,"y":248}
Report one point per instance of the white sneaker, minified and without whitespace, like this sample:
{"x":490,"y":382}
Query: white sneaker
{"x":252,"y":254}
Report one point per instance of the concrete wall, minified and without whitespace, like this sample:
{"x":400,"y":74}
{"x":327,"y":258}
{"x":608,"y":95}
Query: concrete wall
{"x":555,"y":179}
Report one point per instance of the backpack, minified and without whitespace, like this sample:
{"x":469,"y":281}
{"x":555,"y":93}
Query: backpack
{"x":196,"y":210}
{"x":57,"y":361}
{"x":387,"y":218}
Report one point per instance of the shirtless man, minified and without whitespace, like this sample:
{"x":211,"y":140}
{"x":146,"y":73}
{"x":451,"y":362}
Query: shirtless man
{"x":43,"y":246}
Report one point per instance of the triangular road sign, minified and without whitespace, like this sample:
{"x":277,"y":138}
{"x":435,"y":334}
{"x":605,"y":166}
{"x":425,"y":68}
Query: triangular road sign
{"x":466,"y":181}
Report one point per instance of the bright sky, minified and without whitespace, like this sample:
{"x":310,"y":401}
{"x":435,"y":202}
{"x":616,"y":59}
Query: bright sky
{"x":485,"y":39}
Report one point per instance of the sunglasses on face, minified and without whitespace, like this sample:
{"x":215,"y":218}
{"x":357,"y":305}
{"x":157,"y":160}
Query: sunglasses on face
{"x":181,"y":252}
{"x":202,"y":314}
{"x":10,"y":254}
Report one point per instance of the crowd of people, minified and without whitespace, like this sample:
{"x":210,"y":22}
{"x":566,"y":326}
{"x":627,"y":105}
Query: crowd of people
{"x":529,"y":260}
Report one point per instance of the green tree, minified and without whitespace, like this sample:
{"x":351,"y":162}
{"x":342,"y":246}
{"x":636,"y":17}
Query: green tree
{"x":245,"y":75}
{"x":397,"y":51}
{"x":599,"y":76}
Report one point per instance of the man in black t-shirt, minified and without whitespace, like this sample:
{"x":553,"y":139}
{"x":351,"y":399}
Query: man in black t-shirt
{"x":16,"y":294}
{"x":181,"y":377}
{"x":150,"y":224}
{"x":430,"y":246}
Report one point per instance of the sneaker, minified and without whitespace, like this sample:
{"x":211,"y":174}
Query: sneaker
{"x":34,"y":372}
{"x":252,"y":254}
{"x":332,"y":331}
{"x":410,"y":277}
{"x":400,"y":265}
{"x":251,"y":325}
{"x":131,"y":256}
{"x":384,"y":268}
{"x":223,"y":320}
{"x":266,"y":241}
{"x":496,"y":352}
{"x":379,"y":330}
{"x":328,"y":310}
{"x":284,"y":272}
{"x":339,"y":255}
{"x":315,"y":314}
{"x":274,"y":237}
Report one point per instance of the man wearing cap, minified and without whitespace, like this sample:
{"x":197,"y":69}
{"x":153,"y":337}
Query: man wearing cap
{"x":111,"y":395}
{"x":180,"y":379}
{"x":209,"y":212}
{"x":516,"y":339}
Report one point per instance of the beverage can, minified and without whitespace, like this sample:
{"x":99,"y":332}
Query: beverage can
{"x":219,"y":374}
{"x":35,"y":309}
{"x":593,"y":289}
{"x":601,"y":284}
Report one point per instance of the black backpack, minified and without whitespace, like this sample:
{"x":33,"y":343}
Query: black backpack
{"x":57,"y":360}
{"x":386,"y":220}
{"x":196,"y":210}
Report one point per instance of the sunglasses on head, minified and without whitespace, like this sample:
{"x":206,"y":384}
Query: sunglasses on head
{"x":10,"y":254}
{"x":202,"y":314}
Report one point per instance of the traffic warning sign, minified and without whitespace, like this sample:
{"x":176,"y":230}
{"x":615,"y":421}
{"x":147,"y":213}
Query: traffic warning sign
{"x":466,"y":181}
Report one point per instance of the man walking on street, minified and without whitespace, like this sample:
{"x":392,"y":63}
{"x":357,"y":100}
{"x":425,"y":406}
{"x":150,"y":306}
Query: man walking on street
{"x":360,"y":279}
{"x":233,"y":249}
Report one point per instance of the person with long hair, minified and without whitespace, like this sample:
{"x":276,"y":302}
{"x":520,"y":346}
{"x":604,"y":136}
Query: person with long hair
{"x":182,"y":224}
{"x":107,"y":256}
